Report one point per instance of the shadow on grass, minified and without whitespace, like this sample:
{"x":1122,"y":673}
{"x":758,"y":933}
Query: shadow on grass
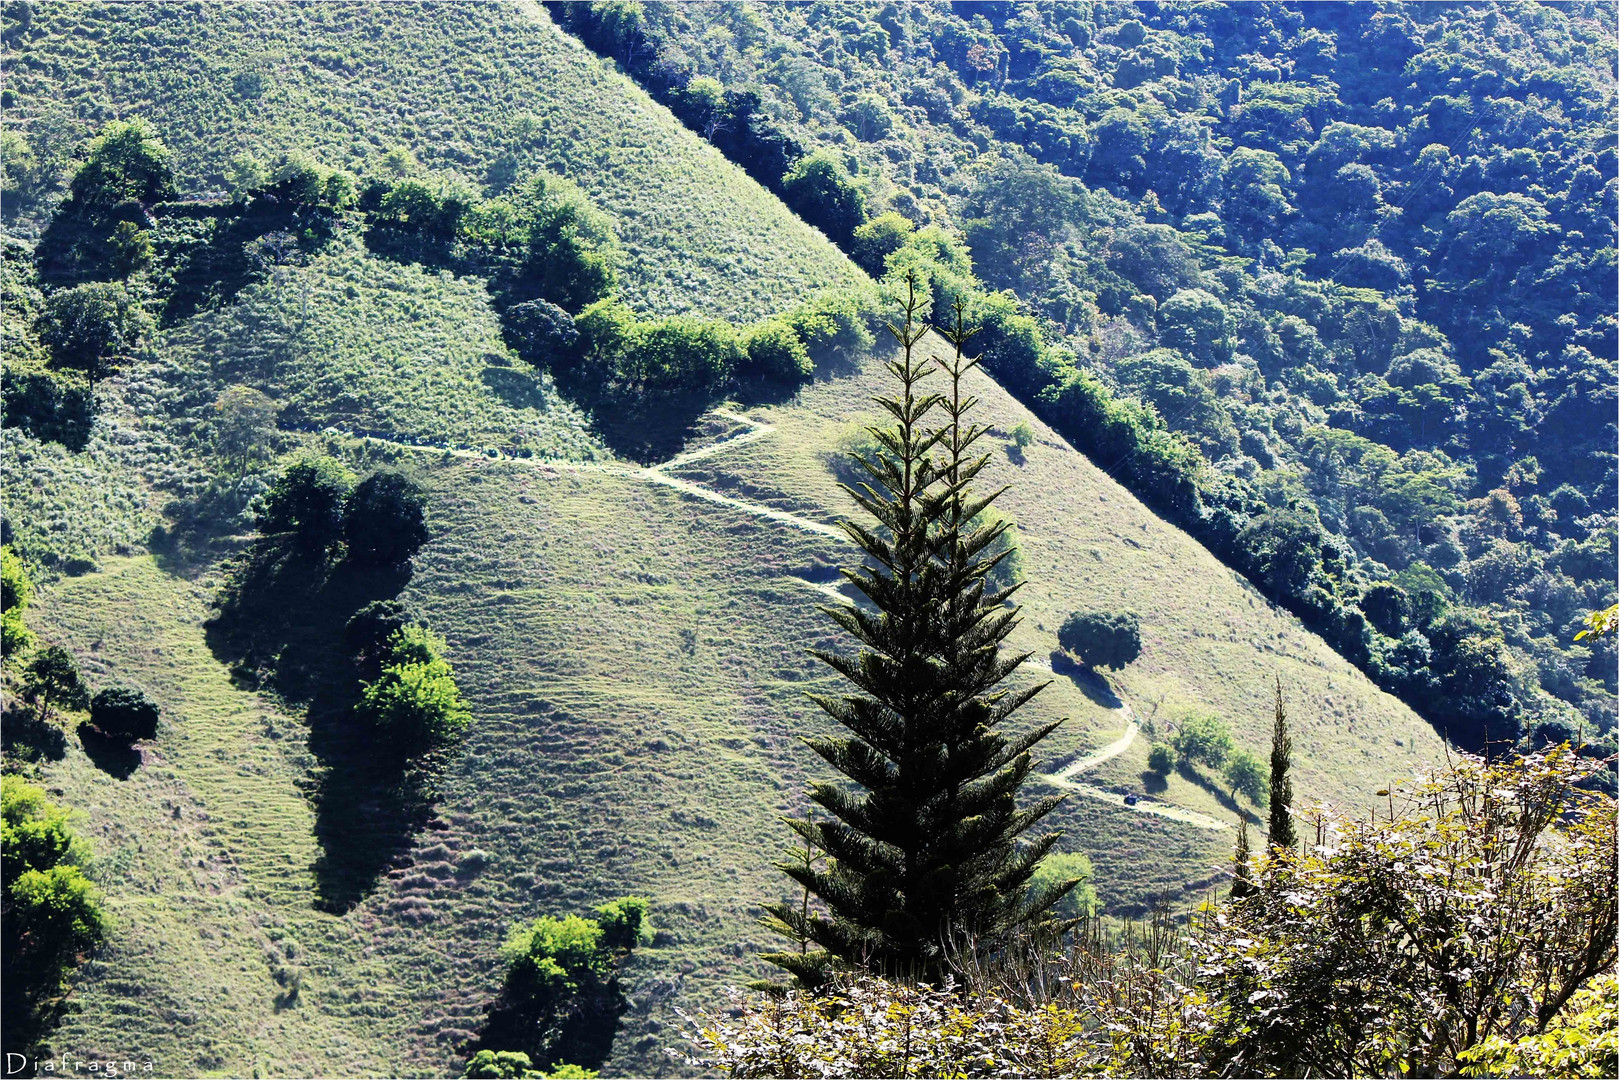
{"x":114,"y":757}
{"x":1091,"y":683}
{"x":1154,"y":783}
{"x":582,"y":1036}
{"x":26,"y":736}
{"x":1191,"y":772}
{"x":280,"y":628}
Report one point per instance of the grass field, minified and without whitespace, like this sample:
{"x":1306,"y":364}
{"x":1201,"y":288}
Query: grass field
{"x":631,"y":645}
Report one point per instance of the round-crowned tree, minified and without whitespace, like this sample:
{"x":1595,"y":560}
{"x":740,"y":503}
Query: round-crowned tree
{"x":124,"y":712}
{"x":1102,"y":638}
{"x":383,"y":519}
{"x":540,"y":331}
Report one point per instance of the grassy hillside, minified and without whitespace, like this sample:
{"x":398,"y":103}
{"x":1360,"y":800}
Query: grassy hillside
{"x":629,"y":640}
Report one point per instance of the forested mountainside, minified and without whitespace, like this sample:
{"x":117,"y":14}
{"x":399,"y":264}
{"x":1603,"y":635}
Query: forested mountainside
{"x":1361,"y":256}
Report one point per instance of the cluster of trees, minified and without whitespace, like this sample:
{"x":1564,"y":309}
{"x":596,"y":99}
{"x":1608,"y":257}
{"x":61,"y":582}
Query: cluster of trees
{"x":51,"y":915}
{"x":317,"y":509}
{"x":1201,"y":738}
{"x":1460,"y":933}
{"x":1326,"y":287}
{"x":561,"y":997}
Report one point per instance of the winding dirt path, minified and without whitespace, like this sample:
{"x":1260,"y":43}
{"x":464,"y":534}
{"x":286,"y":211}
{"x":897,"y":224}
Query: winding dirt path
{"x":757,"y":429}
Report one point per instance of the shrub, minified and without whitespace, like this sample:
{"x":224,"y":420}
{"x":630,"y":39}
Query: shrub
{"x":775,"y":351}
{"x":623,"y":922}
{"x":1023,"y":435}
{"x":1160,"y":758}
{"x":819,"y":189}
{"x":52,"y":406}
{"x":551,"y":959}
{"x":879,"y":238}
{"x":572,"y":252}
{"x":1102,"y":638}
{"x":680,"y":353}
{"x":124,"y":712}
{"x":833,"y":326}
{"x":17,"y":591}
{"x":539,"y":331}
{"x":307,"y":502}
{"x":91,"y":326}
{"x":414,"y":702}
{"x":383,"y":519}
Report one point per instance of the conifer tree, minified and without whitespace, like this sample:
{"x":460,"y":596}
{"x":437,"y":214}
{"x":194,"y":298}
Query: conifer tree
{"x":1242,"y":878}
{"x":931,"y":846}
{"x":1282,"y":835}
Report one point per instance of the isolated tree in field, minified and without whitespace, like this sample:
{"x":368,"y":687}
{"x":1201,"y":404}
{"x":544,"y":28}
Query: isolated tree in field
{"x":244,"y":425}
{"x":52,"y":681}
{"x":306,"y":501}
{"x":931,"y":842}
{"x":1201,"y":738}
{"x":1245,"y":775}
{"x":1282,"y":835}
{"x":124,"y":712}
{"x":384,"y":519}
{"x":1109,"y":639}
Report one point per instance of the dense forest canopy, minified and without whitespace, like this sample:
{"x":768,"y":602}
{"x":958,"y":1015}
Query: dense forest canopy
{"x":1361,"y":256}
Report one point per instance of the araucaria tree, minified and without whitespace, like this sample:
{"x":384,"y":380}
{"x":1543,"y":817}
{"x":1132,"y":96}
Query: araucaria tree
{"x":931,"y":847}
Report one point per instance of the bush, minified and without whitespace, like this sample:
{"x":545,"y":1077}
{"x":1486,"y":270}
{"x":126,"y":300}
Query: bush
{"x":17,"y":590}
{"x":879,"y":238}
{"x":52,"y":406}
{"x":1102,"y":638}
{"x":91,"y":326}
{"x":1023,"y":435}
{"x":124,"y":712}
{"x":1160,"y":758}
{"x":833,"y":327}
{"x":414,"y":702}
{"x":820,"y":191}
{"x":623,"y":922}
{"x":775,"y":351}
{"x":540,"y":332}
{"x":572,"y":252}
{"x":383,"y":519}
{"x":551,"y":959}
{"x":307,"y":502}
{"x":680,"y":354}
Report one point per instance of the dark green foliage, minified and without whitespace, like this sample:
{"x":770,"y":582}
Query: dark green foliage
{"x":1242,"y":872}
{"x":1160,"y":758}
{"x":1281,"y":833}
{"x":368,"y":630}
{"x":52,"y":406}
{"x":540,"y":331}
{"x":929,"y":845}
{"x":623,"y":922}
{"x":50,"y":914}
{"x":51,"y":680}
{"x":306,"y":502}
{"x":383,"y":519}
{"x":126,"y":163}
{"x":92,"y":327}
{"x":1109,"y":639}
{"x":820,"y":190}
{"x":124,"y":712}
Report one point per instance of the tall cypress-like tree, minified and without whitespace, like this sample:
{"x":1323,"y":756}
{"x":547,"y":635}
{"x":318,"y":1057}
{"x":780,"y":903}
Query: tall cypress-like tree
{"x":1242,"y":877}
{"x":1282,"y":835}
{"x":931,"y":844}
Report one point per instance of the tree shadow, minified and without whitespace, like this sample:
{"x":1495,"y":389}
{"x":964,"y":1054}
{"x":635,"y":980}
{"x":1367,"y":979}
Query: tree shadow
{"x":26,"y":736}
{"x":114,"y":757}
{"x":582,"y":1036}
{"x":1091,"y":683}
{"x":518,"y":388}
{"x":1153,"y":783}
{"x":280,"y":629}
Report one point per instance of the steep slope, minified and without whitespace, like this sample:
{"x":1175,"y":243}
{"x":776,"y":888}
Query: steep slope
{"x":630,"y":640}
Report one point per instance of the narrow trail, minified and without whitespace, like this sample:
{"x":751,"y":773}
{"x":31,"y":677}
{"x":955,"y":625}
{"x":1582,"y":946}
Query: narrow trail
{"x":758,"y":429}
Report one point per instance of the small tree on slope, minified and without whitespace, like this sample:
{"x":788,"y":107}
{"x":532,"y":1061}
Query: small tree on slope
{"x":1282,"y":834}
{"x":932,"y":846}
